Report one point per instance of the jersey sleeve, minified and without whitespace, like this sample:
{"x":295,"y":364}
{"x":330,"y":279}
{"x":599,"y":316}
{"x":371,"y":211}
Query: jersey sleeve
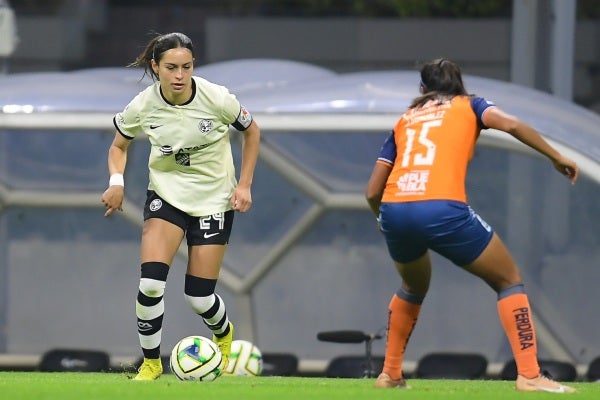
{"x":480,"y":105}
{"x":127,"y":121}
{"x":234,"y":113}
{"x":387,"y":154}
{"x":243,"y":120}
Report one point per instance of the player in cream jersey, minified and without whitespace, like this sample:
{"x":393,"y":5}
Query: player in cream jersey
{"x":192,"y":193}
{"x":190,"y":144}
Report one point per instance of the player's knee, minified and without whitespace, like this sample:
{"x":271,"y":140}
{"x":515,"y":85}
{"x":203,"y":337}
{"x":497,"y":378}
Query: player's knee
{"x":153,"y":279}
{"x":152,"y":288}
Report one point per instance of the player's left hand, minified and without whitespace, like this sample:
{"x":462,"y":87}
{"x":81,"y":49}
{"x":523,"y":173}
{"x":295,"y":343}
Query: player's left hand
{"x":567,"y":167}
{"x":242,"y":199}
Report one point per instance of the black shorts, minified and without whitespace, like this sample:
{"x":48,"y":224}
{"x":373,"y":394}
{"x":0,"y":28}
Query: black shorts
{"x":210,"y":229}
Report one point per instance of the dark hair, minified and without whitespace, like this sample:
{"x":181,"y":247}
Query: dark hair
{"x":440,"y":78}
{"x":155,"y":49}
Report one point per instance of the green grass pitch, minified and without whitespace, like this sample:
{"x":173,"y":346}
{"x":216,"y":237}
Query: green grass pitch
{"x":111,"y":386}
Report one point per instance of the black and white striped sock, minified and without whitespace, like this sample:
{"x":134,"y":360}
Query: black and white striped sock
{"x":200,"y":295}
{"x":150,"y":307}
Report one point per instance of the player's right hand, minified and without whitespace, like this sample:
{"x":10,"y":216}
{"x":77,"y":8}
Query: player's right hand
{"x":112,"y":198}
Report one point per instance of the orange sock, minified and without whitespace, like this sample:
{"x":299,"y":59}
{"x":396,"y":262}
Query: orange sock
{"x":401,"y":322}
{"x":515,"y":316}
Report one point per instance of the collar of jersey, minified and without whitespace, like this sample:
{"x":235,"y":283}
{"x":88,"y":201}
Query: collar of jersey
{"x":183,"y":104}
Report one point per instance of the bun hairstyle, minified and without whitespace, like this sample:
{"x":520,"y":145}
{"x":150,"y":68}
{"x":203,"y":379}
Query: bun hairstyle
{"x":440,"y":78}
{"x":156,"y":47}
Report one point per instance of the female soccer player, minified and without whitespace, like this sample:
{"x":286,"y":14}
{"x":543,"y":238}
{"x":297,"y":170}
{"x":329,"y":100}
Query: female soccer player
{"x":192,"y":189}
{"x":417,"y":191}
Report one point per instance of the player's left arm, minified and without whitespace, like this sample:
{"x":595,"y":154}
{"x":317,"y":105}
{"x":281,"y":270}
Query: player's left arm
{"x":495,"y":118}
{"x":242,"y":195}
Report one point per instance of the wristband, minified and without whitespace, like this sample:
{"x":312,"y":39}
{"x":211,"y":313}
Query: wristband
{"x":116,"y":180}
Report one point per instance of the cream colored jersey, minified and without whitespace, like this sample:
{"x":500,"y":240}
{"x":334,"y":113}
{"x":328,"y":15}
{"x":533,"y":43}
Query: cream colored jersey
{"x":190,"y":162}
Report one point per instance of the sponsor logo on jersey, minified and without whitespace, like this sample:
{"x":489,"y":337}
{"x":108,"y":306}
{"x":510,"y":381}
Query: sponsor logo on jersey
{"x":182,"y":159}
{"x":205,"y":126}
{"x":413,"y":182}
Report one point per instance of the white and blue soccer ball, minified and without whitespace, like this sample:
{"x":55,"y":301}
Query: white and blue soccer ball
{"x":196,"y":358}
{"x":245,"y":359}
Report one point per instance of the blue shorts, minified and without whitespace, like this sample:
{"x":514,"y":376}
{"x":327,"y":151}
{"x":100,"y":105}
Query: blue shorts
{"x":211,"y":229}
{"x":450,"y":228}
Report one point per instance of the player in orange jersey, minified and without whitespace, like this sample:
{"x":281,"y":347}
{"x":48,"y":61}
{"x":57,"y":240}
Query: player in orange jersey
{"x":417,"y":192}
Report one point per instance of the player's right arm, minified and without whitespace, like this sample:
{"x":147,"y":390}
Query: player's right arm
{"x":381,"y":172}
{"x":117,"y":159}
{"x":376,"y":186}
{"x":497,"y":119}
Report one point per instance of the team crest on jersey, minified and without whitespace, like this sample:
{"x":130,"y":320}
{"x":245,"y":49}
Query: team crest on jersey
{"x":155,"y":205}
{"x":205,"y":126}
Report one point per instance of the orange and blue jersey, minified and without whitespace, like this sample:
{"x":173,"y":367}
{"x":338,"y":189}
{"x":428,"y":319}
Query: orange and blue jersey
{"x":430,"y":148}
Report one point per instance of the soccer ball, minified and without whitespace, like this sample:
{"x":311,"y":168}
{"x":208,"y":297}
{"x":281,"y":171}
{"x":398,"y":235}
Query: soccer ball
{"x":245,"y":359}
{"x":196,"y":358}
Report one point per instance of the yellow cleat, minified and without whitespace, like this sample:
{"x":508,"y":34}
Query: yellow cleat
{"x":151,"y":369}
{"x":224,"y":344}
